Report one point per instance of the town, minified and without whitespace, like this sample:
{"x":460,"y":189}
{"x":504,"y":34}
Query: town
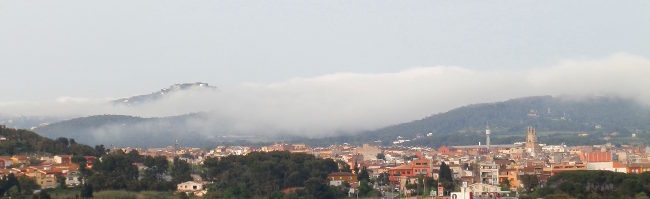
{"x":484,"y":170}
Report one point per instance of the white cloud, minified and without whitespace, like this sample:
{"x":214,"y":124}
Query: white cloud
{"x":349,"y":102}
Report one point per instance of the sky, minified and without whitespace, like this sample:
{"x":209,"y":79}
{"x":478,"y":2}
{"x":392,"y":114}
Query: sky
{"x":119,"y":48}
{"x":321,"y":65}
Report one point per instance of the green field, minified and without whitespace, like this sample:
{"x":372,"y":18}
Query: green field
{"x":112,"y":194}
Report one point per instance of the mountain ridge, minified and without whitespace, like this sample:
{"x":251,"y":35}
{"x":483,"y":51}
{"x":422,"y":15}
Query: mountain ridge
{"x":151,"y":97}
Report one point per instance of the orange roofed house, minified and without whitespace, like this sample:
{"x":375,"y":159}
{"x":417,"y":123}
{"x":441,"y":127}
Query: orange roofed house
{"x":412,"y":169}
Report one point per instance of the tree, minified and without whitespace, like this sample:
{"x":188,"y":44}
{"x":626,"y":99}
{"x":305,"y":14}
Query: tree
{"x":27,"y":185}
{"x":420,"y":185}
{"x":530,"y":182}
{"x":444,"y":174}
{"x":14,"y":192}
{"x":9,"y":182}
{"x":429,"y":184}
{"x":383,"y":178}
{"x":100,"y":150}
{"x":61,"y":181}
{"x":445,"y":177}
{"x":81,"y":161}
{"x":86,"y":191}
{"x":641,"y":195}
{"x":157,"y":165}
{"x":505,"y":185}
{"x":363,"y":175}
{"x":134,"y":156}
{"x":182,"y":195}
{"x":343,"y":167}
{"x":365,"y":189}
{"x":181,"y":171}
{"x":43,"y":194}
{"x":381,"y":156}
{"x":115,"y":171}
{"x":356,"y":167}
{"x":317,"y":188}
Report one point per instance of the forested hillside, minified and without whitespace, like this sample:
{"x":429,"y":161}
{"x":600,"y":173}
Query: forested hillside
{"x":556,"y":119}
{"x":122,"y":130}
{"x":17,"y":141}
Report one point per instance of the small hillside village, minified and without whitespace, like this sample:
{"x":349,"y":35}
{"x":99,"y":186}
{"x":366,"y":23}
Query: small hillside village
{"x":483,"y":170}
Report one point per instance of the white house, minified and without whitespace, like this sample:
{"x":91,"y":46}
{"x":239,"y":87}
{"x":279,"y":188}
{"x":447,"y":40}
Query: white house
{"x":197,"y":188}
{"x":189,"y":186}
{"x":72,"y":179}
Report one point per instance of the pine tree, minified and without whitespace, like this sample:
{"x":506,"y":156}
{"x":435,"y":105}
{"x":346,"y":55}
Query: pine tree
{"x":445,"y":173}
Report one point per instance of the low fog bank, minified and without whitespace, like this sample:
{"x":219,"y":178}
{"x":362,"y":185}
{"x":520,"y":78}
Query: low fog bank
{"x":352,"y":102}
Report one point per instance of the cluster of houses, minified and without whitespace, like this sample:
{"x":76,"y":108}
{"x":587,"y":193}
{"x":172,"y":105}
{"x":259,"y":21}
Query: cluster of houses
{"x":485,"y":169}
{"x":45,"y":169}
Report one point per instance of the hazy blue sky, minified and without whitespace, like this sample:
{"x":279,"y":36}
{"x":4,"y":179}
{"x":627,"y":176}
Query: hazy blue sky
{"x":124,"y":47}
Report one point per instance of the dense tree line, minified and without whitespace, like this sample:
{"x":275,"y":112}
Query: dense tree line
{"x":117,"y":171}
{"x":596,"y":184}
{"x":260,"y":174}
{"x":16,"y":187}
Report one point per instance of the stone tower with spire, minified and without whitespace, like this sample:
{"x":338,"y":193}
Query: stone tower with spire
{"x":531,"y":142}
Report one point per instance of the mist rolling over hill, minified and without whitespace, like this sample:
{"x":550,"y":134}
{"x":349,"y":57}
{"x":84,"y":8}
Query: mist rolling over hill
{"x":462,"y":125}
{"x":120,"y":130}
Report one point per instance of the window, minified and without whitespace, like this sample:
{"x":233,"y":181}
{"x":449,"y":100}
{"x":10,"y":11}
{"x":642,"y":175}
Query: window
{"x":194,"y":187}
